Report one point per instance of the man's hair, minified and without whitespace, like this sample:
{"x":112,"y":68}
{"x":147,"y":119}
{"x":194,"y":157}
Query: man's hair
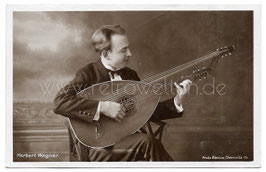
{"x":101,"y":38}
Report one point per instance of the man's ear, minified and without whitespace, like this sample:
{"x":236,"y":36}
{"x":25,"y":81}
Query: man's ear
{"x":105,"y":53}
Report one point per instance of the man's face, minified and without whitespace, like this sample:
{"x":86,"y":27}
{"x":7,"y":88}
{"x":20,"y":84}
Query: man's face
{"x":119,"y":55}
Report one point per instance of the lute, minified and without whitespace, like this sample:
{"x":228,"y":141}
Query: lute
{"x":139,"y":99}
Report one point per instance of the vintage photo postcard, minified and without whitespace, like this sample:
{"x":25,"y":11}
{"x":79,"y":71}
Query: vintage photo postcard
{"x":133,"y":86}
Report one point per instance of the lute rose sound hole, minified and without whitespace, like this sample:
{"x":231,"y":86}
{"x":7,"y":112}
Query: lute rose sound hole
{"x":130,"y":104}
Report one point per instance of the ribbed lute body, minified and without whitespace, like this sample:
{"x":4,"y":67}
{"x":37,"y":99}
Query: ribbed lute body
{"x":139,"y":100}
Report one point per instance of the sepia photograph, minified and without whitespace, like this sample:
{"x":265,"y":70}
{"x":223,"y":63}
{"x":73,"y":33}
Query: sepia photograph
{"x":158,"y":86}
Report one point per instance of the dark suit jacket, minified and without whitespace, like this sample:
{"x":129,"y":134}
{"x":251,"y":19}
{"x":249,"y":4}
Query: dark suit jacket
{"x":66,"y":102}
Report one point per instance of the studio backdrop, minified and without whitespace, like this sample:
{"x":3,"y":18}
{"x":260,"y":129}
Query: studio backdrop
{"x":50,"y":46}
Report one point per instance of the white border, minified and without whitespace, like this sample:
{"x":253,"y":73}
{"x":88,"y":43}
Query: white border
{"x":144,"y":7}
{"x":257,"y":83}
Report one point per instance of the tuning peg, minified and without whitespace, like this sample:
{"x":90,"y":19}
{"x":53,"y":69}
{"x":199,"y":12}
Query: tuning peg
{"x":194,"y":71}
{"x":198,"y":70}
{"x":230,"y":54}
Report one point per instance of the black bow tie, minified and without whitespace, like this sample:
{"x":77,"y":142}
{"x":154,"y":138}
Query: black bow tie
{"x":118,"y":72}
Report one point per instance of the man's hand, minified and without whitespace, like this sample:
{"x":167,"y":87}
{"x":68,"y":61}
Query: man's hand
{"x":182,"y":89}
{"x":113,"y":110}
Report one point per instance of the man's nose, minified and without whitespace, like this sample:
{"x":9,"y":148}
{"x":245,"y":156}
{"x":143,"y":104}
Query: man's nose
{"x":128,"y":53}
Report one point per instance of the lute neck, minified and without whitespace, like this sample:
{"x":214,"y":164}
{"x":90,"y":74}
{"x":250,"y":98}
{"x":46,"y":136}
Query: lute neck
{"x":193,"y":75}
{"x":159,"y":77}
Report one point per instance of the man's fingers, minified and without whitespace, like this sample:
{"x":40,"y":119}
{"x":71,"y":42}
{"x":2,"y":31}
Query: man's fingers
{"x":177,"y":86}
{"x":186,"y":84}
{"x":189,"y":84}
{"x":179,"y":89}
{"x":123,"y":108}
{"x":182,"y":84}
{"x":120,"y":116}
{"x":122,"y":113}
{"x":117,"y":119}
